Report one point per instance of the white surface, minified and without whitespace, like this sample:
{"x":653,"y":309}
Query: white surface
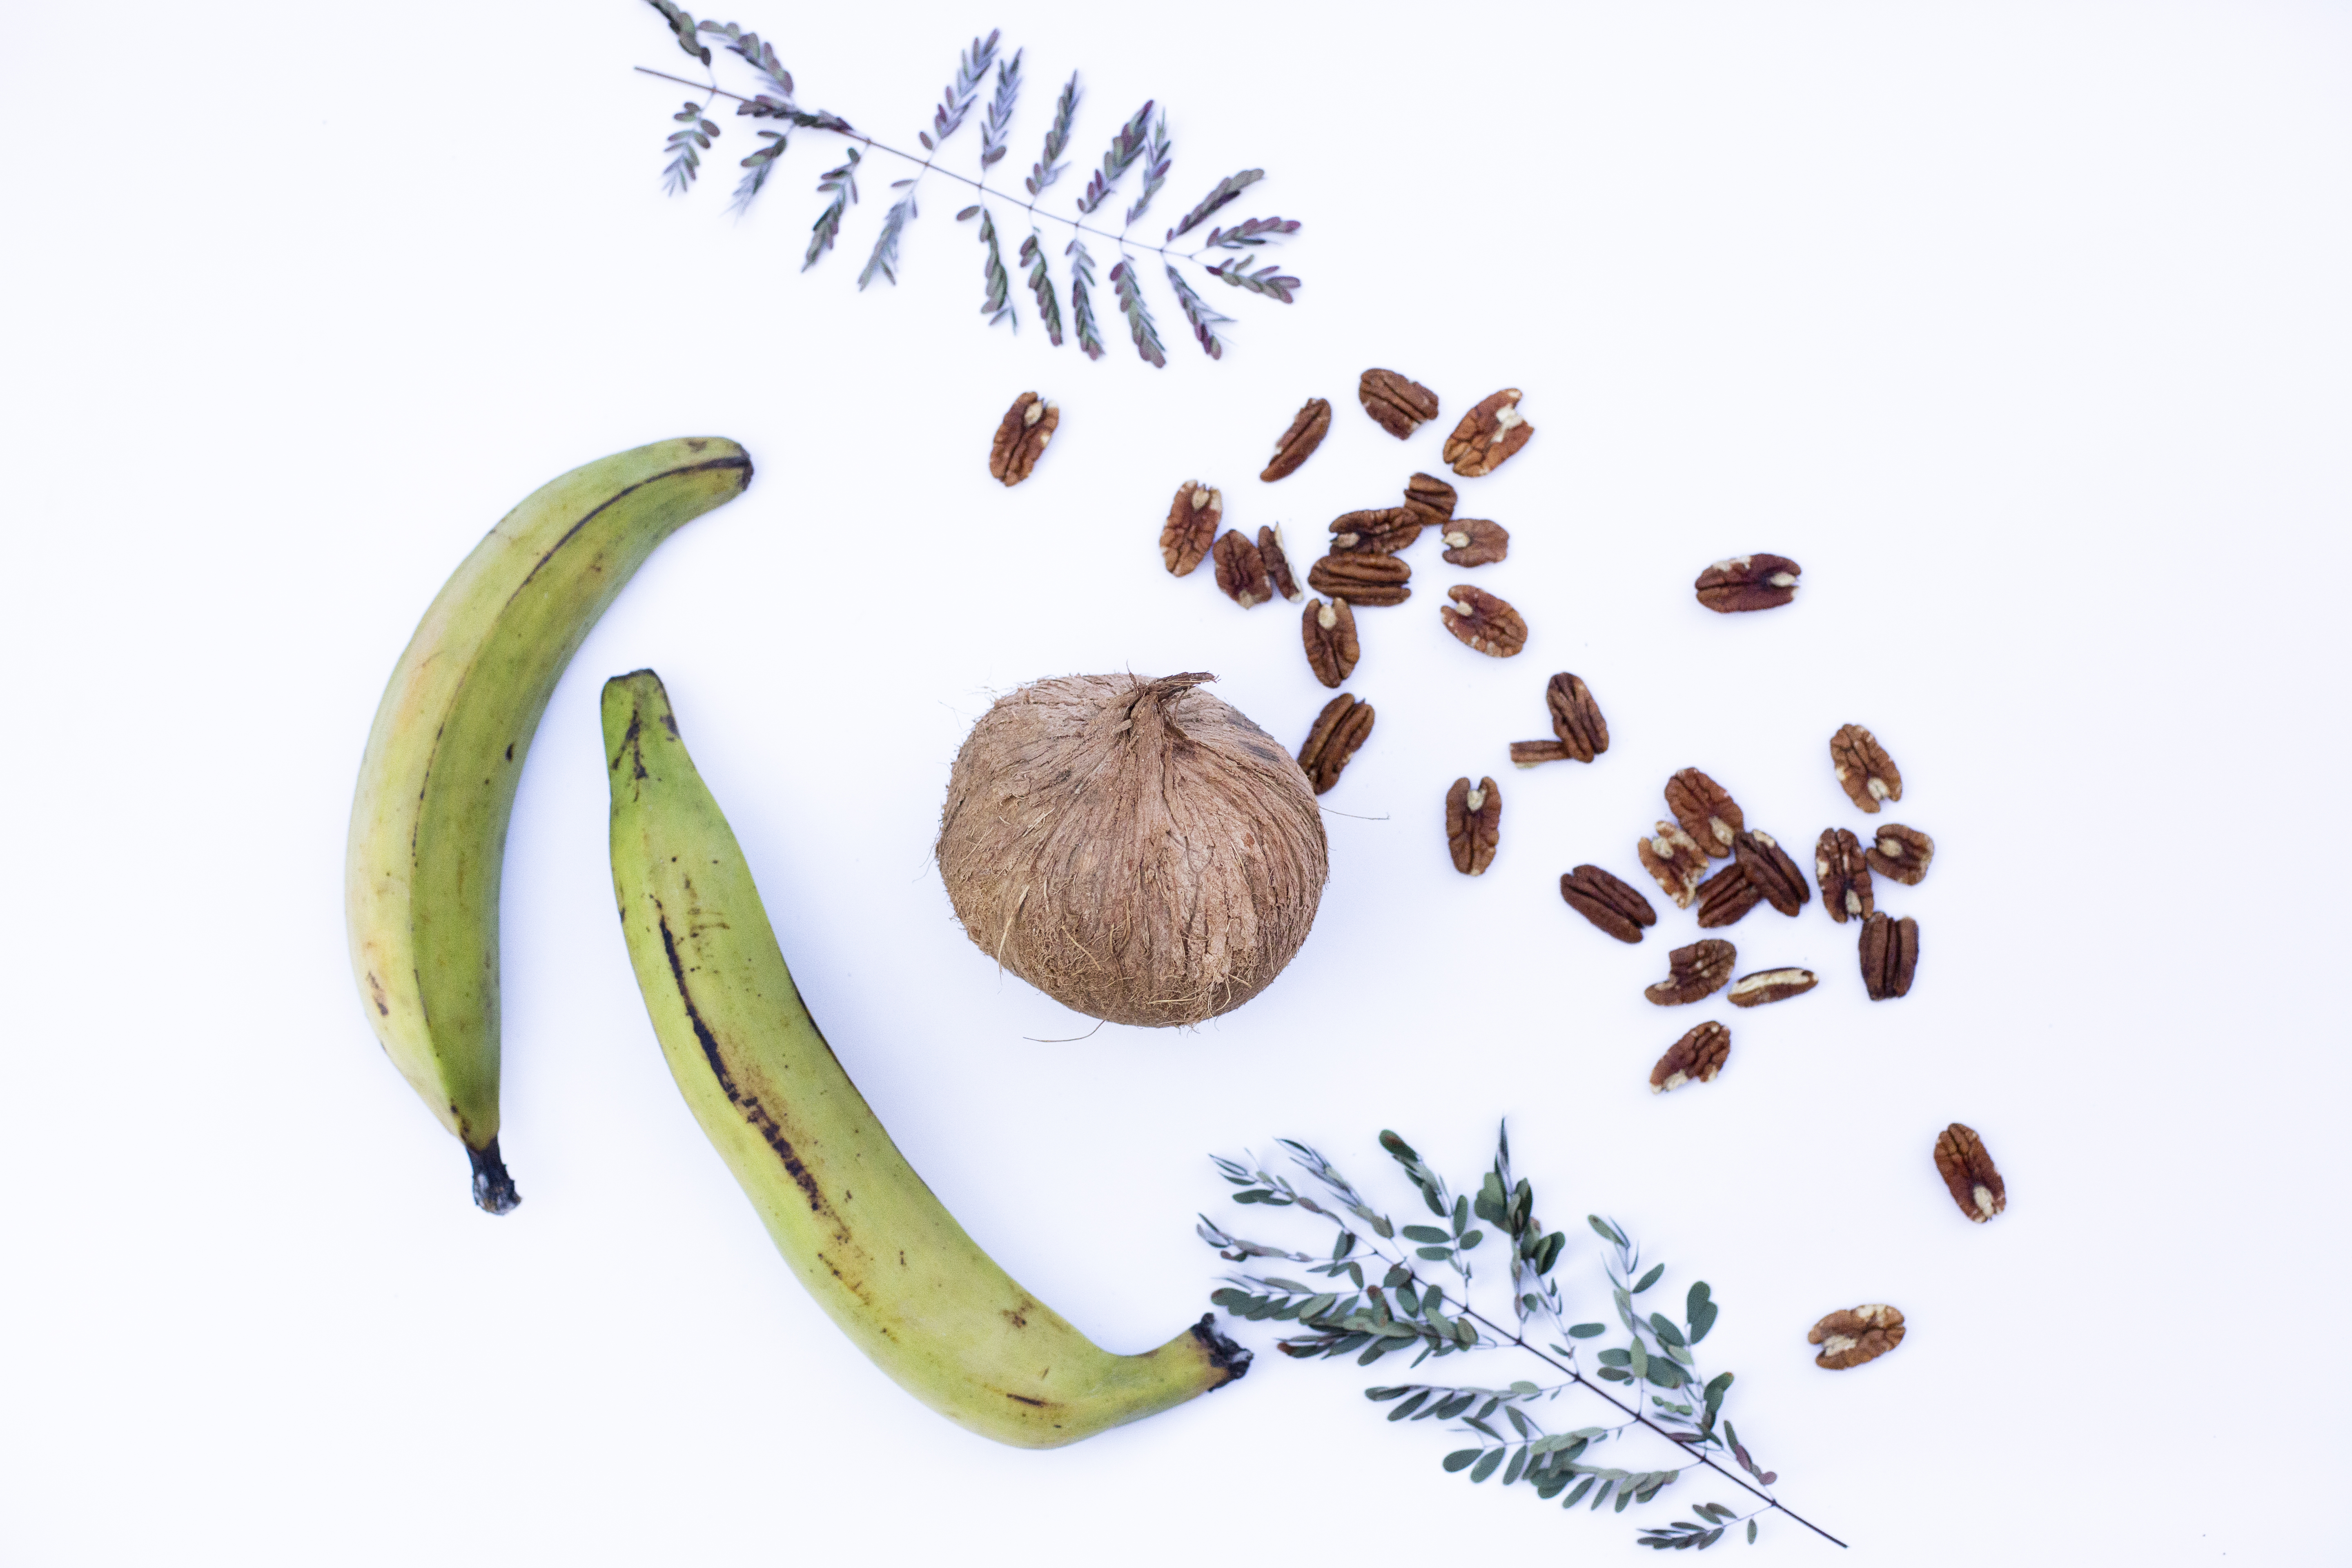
{"x":2022,"y":327}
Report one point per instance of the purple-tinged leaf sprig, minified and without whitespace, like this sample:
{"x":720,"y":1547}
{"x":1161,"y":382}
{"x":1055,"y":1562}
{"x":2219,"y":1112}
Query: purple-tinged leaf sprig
{"x":1143,"y":138}
{"x":686,"y":147}
{"x":1653,"y":1379}
{"x":1041,"y":284}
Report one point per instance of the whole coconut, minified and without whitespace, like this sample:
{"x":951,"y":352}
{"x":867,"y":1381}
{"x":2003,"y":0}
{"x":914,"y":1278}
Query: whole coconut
{"x":1136,"y":849}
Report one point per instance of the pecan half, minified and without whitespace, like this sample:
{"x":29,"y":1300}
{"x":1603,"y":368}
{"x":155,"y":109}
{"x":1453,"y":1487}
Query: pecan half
{"x":1675,"y":858}
{"x":1474,"y":825}
{"x":1695,"y":972}
{"x":1191,"y":527}
{"x":1748,"y":582}
{"x":1697,"y":1057}
{"x":1475,"y":542}
{"x":1575,"y":717}
{"x":1726,"y":897}
{"x":1277,"y":562}
{"x":1705,"y":810}
{"x":1330,"y":634}
{"x":1528,"y":753}
{"x":1361,"y":579}
{"x":1241,"y":570}
{"x":1398,"y":405}
{"x":1890,"y":954}
{"x":1298,"y":443}
{"x":1607,"y":902}
{"x":1383,"y":530}
{"x":1483,"y":623}
{"x":1902,"y":853}
{"x":1489,"y":434}
{"x":1864,"y":770}
{"x":1430,"y":496}
{"x":1767,"y":985}
{"x":1021,"y":437}
{"x":1844,"y":875}
{"x":1759,"y":855}
{"x":1339,"y":730}
{"x":1967,"y":1171}
{"x":1849,"y":1339}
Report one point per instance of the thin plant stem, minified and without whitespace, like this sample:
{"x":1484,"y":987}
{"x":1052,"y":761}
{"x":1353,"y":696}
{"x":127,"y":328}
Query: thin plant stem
{"x":1118,"y":239}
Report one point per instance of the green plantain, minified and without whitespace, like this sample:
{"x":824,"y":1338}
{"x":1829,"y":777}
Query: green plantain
{"x":438,"y":783}
{"x":878,"y":1251}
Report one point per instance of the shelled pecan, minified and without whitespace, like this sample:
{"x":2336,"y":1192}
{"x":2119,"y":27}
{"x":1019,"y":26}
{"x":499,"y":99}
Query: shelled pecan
{"x":1474,"y":542}
{"x":1528,"y":753}
{"x":1675,"y":858}
{"x":1844,"y":875}
{"x":1769,"y":985}
{"x":1241,"y":570}
{"x":1902,"y":853}
{"x":1726,"y":897}
{"x":1864,"y":770}
{"x":1967,"y":1171}
{"x":1695,"y":972}
{"x":1482,"y":622}
{"x":1021,"y":437}
{"x":1329,"y":631}
{"x":1488,"y":435}
{"x":1277,"y":562}
{"x":1849,"y":1339}
{"x":1191,"y":527}
{"x":1398,"y":404}
{"x":1339,"y":730}
{"x":1696,"y":1057}
{"x":1383,"y":530}
{"x":1767,"y":866}
{"x":1431,"y":497}
{"x":1705,"y":810}
{"x":1608,"y":902}
{"x":1890,"y":955}
{"x":1298,"y":443}
{"x":1474,"y":825}
{"x":1748,"y":582}
{"x":1361,"y":579}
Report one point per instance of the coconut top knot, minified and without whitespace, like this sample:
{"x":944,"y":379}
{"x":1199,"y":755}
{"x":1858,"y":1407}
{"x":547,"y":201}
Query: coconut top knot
{"x":1135,"y":848}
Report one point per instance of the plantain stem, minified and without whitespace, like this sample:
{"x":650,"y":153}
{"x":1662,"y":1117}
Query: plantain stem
{"x":494,"y":1190}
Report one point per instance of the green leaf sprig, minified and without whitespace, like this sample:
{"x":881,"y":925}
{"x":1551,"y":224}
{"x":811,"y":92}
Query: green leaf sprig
{"x":1422,"y":1303}
{"x":1139,"y":141}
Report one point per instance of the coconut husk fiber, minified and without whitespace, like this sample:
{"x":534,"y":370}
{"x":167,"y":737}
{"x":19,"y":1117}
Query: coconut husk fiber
{"x":1135,"y":848}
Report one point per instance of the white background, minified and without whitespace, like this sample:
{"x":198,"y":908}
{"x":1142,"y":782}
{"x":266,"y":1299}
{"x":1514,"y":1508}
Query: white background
{"x":2023,"y":327}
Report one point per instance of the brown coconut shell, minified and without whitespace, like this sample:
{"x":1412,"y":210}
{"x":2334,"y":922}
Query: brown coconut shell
{"x":1135,"y":848}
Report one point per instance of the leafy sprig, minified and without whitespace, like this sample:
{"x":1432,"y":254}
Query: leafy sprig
{"x":1142,"y":139}
{"x":1423,"y":1302}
